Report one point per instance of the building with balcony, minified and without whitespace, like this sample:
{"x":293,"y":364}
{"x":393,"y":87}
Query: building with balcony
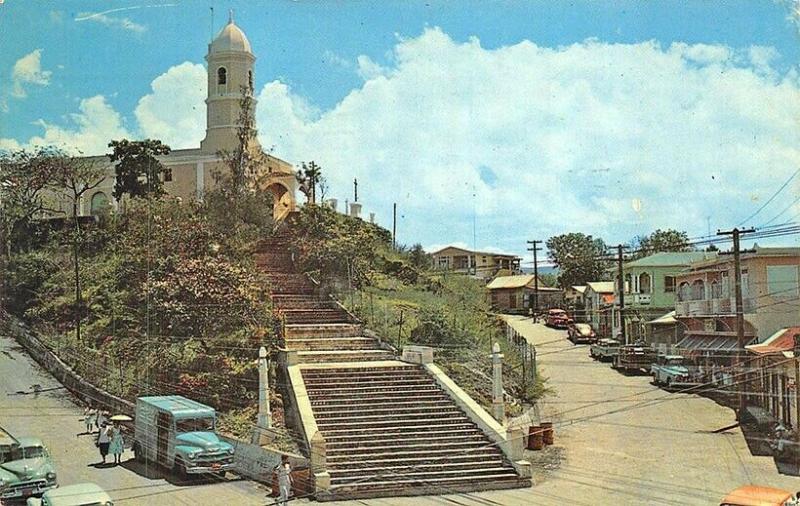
{"x":706,"y":304}
{"x":773,"y":385}
{"x":481,"y":264}
{"x":650,"y":290}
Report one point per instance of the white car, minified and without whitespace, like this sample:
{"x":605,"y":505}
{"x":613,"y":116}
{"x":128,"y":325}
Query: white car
{"x":82,"y":494}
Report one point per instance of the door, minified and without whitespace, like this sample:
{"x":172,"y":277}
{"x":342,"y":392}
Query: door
{"x":163,"y":425}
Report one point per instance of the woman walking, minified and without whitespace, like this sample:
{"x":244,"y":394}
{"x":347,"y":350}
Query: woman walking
{"x":88,"y":419}
{"x":104,"y":440}
{"x":117,"y":445}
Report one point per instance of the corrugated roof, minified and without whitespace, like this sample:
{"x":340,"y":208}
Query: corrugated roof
{"x":670,"y":259}
{"x":667,"y":319}
{"x":475,"y":252}
{"x":780,"y":341}
{"x":601,"y":286}
{"x":518,"y":281}
{"x":579,"y":289}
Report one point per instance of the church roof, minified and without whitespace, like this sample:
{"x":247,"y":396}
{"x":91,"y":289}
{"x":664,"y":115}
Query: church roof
{"x":231,"y":38}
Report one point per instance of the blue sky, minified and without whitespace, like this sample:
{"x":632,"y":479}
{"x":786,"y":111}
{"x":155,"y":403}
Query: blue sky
{"x":601,"y":104}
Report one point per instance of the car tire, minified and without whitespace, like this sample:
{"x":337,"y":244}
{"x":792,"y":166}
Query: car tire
{"x":180,"y":471}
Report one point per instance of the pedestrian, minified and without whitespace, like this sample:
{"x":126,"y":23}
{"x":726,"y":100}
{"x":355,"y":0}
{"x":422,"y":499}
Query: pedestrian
{"x":89,"y":417}
{"x":101,"y":418}
{"x":284,"y":480}
{"x":117,"y":445}
{"x":104,"y":440}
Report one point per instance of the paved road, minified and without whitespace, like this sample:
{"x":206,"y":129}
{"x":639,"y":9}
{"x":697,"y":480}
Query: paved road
{"x":636,"y":443}
{"x":661,"y":453}
{"x":57,"y":420}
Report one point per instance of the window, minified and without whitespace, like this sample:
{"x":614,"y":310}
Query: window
{"x":684,"y":292}
{"x":628,"y":283}
{"x":222,"y":76}
{"x":698,"y":290}
{"x":716,"y":290}
{"x":98,"y":204}
{"x":782,"y":280}
{"x":167,"y":175}
{"x":250,"y":79}
{"x":644,"y":283}
{"x":194,"y":425}
{"x":669,"y":284}
{"x":512,"y":301}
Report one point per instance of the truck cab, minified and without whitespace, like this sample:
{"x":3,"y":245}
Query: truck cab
{"x":671,"y":372}
{"x":179,"y":434}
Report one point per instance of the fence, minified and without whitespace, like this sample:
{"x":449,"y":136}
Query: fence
{"x":527,"y":352}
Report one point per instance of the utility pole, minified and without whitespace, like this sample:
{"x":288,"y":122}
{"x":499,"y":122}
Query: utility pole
{"x":534,"y":248}
{"x":394,"y":226}
{"x":737,"y":268}
{"x":355,"y":190}
{"x":621,"y":287}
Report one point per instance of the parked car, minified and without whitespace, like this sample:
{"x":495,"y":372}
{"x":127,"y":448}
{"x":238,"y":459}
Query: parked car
{"x":604,"y":349}
{"x":81,"y":494}
{"x":179,"y":434}
{"x":670,"y":371}
{"x":557,"y":318}
{"x":29,"y":471}
{"x":8,"y":443}
{"x":755,"y":495}
{"x":581,"y":333}
{"x":634,"y":358}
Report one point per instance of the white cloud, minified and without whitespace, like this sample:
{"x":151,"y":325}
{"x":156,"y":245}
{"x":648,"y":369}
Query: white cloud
{"x":89,"y":130}
{"x":572,"y":135}
{"x":175,"y":112}
{"x":112,"y":21}
{"x":28,"y":70}
{"x":368,"y":69}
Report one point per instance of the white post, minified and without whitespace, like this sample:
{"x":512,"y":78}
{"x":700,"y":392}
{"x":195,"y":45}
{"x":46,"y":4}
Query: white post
{"x":264,"y":416}
{"x":498,"y":406}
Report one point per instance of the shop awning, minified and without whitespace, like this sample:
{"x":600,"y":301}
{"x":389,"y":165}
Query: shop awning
{"x":708,"y":343}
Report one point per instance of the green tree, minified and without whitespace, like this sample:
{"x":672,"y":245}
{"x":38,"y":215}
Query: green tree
{"x":139,"y":172}
{"x":245,"y":163}
{"x":660,"y":241}
{"x":74,"y":178}
{"x":418,"y":257}
{"x":580,"y":258}
{"x":310,"y":178}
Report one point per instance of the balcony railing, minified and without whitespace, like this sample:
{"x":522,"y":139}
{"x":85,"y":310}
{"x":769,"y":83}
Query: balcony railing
{"x":713,"y":306}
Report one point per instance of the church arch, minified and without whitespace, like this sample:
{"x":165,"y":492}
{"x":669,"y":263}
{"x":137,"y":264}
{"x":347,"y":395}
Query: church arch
{"x":98,"y":204}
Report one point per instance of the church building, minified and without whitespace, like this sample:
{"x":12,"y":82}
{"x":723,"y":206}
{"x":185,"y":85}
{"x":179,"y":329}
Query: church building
{"x":189,"y":172}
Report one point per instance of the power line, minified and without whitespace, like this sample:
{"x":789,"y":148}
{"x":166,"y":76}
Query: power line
{"x":765,"y":204}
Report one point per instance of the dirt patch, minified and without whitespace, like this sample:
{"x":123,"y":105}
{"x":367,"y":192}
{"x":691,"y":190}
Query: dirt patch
{"x":545,"y":462}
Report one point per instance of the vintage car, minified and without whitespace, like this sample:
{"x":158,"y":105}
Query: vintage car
{"x":581,"y":333}
{"x":81,"y":494}
{"x":755,"y":495}
{"x":557,"y":318}
{"x":604,"y":349}
{"x":179,"y":434}
{"x":30,"y":471}
{"x":634,"y":358}
{"x":670,"y":371}
{"x":8,"y":444}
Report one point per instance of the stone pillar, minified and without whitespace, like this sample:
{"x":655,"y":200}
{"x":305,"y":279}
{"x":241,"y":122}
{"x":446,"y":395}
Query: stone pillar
{"x":333,"y":203}
{"x":498,"y":406}
{"x":372,"y":217}
{"x":264,"y":415}
{"x":355,"y":209}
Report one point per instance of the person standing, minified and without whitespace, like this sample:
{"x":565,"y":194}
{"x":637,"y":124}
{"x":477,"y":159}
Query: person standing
{"x":104,"y":440}
{"x":284,"y":480}
{"x":88,"y":418}
{"x":101,"y":418}
{"x":117,"y":445}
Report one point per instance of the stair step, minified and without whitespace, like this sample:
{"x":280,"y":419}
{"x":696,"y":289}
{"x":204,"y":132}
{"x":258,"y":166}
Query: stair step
{"x":399,"y":430}
{"x":409,"y":448}
{"x":395,"y":476}
{"x":391,"y":418}
{"x":352,"y":471}
{"x":447,"y":455}
{"x":395,"y":407}
{"x":369,"y":401}
{"x":405,"y":442}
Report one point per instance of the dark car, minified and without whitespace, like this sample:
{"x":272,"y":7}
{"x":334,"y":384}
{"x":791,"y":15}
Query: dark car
{"x":581,"y":333}
{"x":557,"y":318}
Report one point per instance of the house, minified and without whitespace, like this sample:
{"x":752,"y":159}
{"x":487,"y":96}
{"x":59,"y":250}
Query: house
{"x":598,"y":303}
{"x":481,"y":264}
{"x":650,"y":288}
{"x":706,"y":304}
{"x":664,"y":331}
{"x":573,"y":296}
{"x":514,"y":294}
{"x":774,"y":385}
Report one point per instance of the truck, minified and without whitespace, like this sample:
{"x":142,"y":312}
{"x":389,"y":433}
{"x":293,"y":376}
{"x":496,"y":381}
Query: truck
{"x":671,"y":372}
{"x":604,"y":349}
{"x":180,"y":434}
{"x":27,"y":470}
{"x":634,"y":358}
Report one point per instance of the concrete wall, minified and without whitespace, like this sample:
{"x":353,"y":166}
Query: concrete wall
{"x":253,"y":462}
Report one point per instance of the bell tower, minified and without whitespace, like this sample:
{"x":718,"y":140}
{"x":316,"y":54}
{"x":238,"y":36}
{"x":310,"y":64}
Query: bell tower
{"x":230,"y":73}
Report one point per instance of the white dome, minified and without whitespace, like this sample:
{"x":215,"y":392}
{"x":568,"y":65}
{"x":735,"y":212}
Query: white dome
{"x":231,"y":38}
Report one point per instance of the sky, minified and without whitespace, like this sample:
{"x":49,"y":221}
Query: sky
{"x":488,"y":123}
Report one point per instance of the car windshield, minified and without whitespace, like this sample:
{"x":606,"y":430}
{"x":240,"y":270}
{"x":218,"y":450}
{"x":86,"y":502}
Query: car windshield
{"x":195,"y":425}
{"x":27,"y":452}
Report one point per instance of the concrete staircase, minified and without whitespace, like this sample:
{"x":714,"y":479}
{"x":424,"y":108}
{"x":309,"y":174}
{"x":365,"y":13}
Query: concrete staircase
{"x":389,"y":429}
